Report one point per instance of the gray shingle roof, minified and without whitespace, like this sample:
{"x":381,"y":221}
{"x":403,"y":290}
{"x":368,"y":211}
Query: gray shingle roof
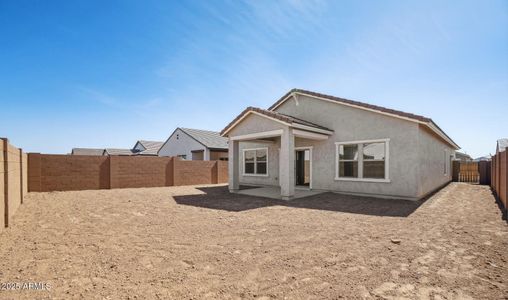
{"x":210,"y":139}
{"x":87,"y":151}
{"x":151,"y":147}
{"x":114,"y":151}
{"x":502,"y":144}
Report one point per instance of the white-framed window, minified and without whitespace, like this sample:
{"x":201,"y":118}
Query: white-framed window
{"x":255,"y":162}
{"x":362,"y":160}
{"x":182,"y":156}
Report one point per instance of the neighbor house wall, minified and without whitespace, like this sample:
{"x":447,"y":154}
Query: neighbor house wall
{"x":13,"y":183}
{"x":180,"y":143}
{"x":351,"y":124}
{"x":434,"y":157}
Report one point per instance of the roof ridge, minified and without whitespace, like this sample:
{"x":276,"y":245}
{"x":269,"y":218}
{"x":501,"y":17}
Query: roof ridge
{"x":351,"y":102}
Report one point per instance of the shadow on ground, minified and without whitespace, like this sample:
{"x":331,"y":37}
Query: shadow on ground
{"x":220,"y":198}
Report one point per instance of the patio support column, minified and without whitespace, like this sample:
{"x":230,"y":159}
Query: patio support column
{"x":287,"y":164}
{"x":234,"y":166}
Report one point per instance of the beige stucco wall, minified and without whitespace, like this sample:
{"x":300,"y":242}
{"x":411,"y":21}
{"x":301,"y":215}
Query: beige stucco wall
{"x":273,"y":164}
{"x":352,"y":124}
{"x":255,"y":124}
{"x":431,"y":169}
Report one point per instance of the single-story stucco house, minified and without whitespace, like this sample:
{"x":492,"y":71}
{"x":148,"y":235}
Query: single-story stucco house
{"x":195,"y":144}
{"x":321,"y":142}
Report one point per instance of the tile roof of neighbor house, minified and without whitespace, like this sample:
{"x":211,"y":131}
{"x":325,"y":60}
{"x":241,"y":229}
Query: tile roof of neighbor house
{"x":151,"y":147}
{"x":502,"y":144}
{"x":116,"y":151}
{"x":87,"y":151}
{"x":210,"y":139}
{"x":274,"y":115}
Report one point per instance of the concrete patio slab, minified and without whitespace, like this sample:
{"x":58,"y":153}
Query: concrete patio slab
{"x":274,"y":192}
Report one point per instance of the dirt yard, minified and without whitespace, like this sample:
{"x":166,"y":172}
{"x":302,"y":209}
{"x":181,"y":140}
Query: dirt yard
{"x":194,"y":243}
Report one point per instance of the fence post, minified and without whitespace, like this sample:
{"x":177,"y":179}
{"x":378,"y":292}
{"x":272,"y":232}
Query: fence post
{"x":112,"y":183}
{"x":21,"y":174}
{"x":5,"y":154}
{"x":505,"y":180}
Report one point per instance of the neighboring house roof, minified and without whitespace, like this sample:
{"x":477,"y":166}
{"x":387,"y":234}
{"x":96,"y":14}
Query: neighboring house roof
{"x":374,"y":108}
{"x":209,"y":139}
{"x":289,"y":120}
{"x":87,"y":151}
{"x":483,"y":158}
{"x":113,"y":151}
{"x":151,"y":147}
{"x":502,"y":144}
{"x":462,"y":156}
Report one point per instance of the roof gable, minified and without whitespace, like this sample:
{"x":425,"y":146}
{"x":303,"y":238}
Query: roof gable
{"x":365,"y":106}
{"x":149,"y":147}
{"x":275,"y":116}
{"x":348,"y":102}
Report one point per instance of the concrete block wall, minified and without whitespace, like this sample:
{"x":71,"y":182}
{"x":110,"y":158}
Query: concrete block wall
{"x":13,"y":180}
{"x":49,"y":172}
{"x":189,"y":172}
{"x":134,"y":172}
{"x":69,"y":172}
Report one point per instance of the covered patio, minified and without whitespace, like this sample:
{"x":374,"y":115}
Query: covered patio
{"x":274,"y":160}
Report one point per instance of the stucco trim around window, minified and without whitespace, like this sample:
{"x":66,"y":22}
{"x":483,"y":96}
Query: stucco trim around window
{"x":360,"y":177}
{"x":255,"y":174}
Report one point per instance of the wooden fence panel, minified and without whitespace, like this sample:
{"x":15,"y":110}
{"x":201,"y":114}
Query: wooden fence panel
{"x":499,"y":180}
{"x":484,"y":168}
{"x":467,"y":172}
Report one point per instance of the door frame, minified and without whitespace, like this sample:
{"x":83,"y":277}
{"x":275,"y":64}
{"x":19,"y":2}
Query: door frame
{"x":310,"y":164}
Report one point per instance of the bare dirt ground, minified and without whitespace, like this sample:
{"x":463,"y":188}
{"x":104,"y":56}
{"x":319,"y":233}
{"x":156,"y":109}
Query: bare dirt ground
{"x":194,"y":243}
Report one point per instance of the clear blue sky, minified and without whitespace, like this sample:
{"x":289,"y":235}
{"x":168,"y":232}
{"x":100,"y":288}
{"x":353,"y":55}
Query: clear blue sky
{"x":107,"y":73}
